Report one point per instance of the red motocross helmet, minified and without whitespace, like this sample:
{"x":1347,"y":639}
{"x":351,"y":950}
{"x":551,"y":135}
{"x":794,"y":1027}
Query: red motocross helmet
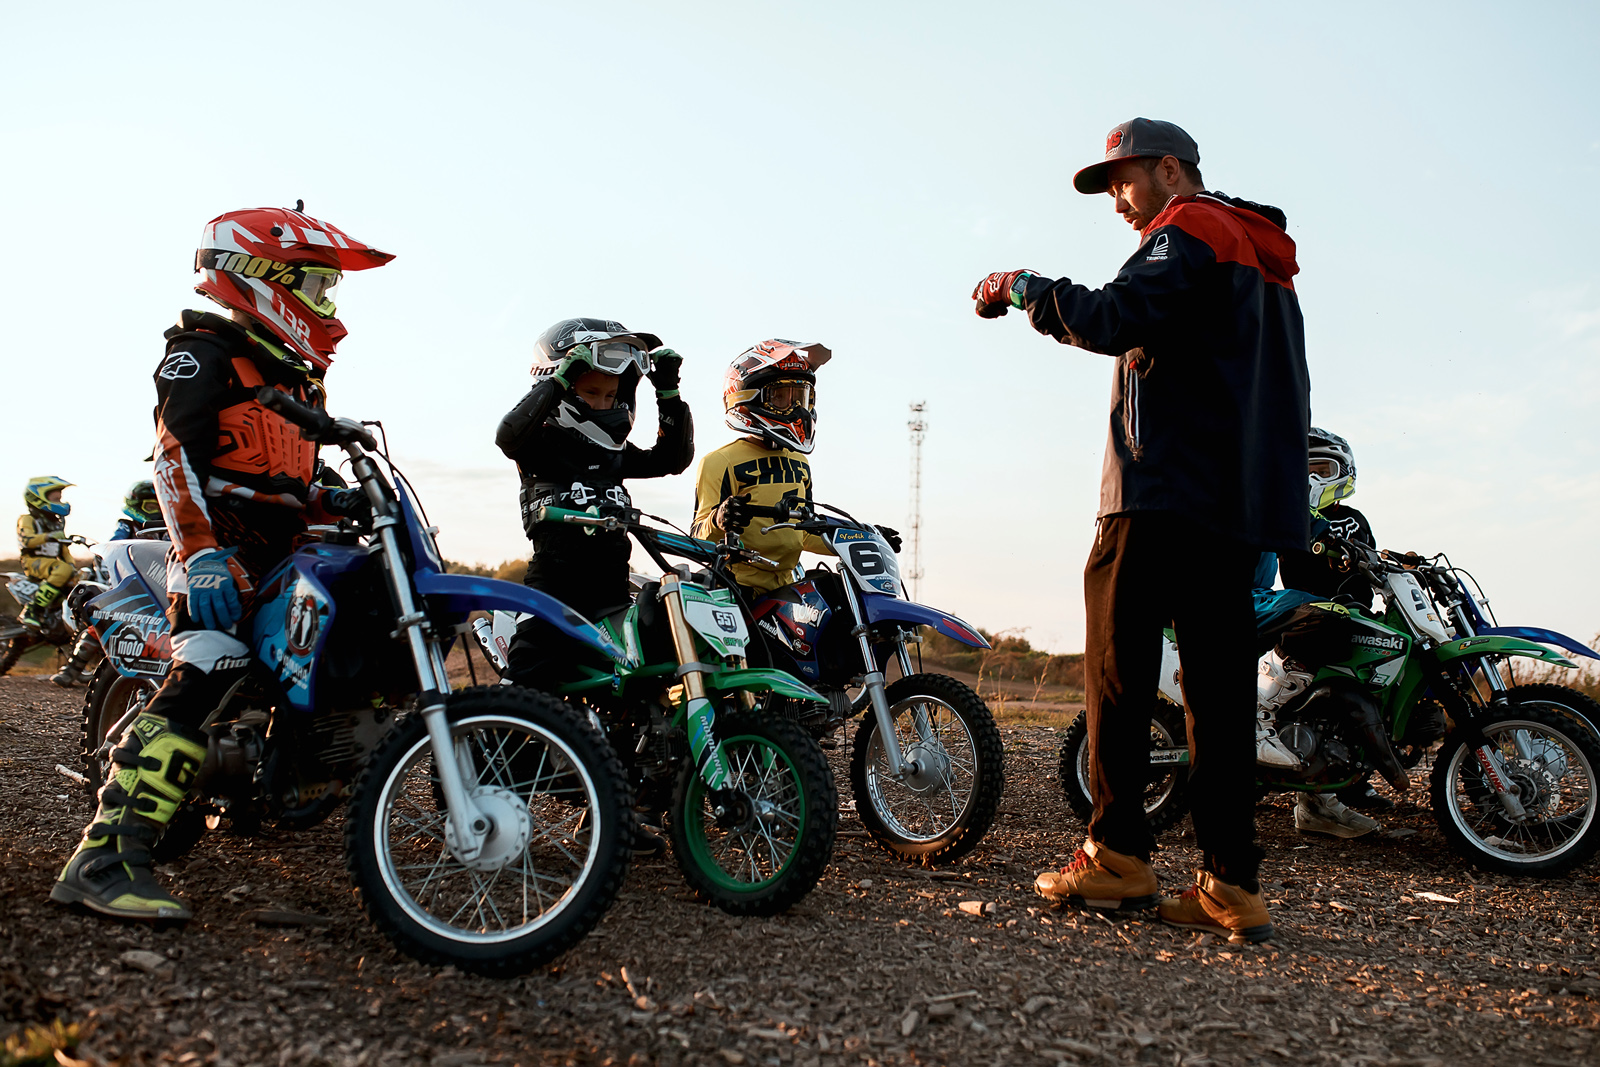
{"x":281,"y":267}
{"x":770,"y":393}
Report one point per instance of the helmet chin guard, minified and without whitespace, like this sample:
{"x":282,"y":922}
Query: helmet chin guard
{"x":608,"y":429}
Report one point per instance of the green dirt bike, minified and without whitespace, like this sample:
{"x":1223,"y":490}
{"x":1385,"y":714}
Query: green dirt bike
{"x":751,"y":801}
{"x":1515,"y":777}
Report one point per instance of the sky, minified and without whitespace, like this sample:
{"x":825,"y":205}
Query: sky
{"x":721,"y":173}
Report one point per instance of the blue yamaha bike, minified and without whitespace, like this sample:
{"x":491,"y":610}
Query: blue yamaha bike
{"x":488,"y":827}
{"x":927,"y":767}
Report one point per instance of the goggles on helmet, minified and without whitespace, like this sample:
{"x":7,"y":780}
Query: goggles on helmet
{"x":614,"y":357}
{"x":1324,"y":467}
{"x":785,"y":395}
{"x":314,"y":285}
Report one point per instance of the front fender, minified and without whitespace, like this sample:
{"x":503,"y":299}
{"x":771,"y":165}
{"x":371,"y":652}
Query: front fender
{"x":1498,"y":645}
{"x":1541,"y":635}
{"x":880,"y":607}
{"x":464,"y":593}
{"x":763,"y":680}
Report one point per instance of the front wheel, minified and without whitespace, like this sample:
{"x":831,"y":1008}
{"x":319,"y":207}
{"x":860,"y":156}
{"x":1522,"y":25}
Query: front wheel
{"x":1550,"y":764}
{"x":1166,"y":797}
{"x":759,"y":844}
{"x":941,"y":812}
{"x":561,"y":820}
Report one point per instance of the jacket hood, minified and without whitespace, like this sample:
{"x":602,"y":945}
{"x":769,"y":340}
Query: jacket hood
{"x":1263,"y":226}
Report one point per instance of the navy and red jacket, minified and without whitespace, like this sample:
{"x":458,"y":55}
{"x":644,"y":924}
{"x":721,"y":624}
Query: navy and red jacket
{"x":1212,"y":398}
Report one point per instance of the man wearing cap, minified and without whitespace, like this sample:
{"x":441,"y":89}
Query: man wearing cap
{"x":1204,"y":469}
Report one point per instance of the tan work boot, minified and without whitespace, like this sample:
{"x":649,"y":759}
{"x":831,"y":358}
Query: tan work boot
{"x":1100,"y":878}
{"x":1218,"y":908}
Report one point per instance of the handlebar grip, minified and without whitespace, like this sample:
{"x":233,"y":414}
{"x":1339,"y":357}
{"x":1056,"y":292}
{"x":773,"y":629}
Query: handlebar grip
{"x":759,"y":511}
{"x":314,"y":425}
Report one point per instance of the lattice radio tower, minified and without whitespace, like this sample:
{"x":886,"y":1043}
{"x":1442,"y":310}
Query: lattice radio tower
{"x":919,"y":427}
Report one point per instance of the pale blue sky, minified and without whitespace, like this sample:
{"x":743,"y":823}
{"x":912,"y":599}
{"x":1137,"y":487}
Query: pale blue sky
{"x":723,"y":173}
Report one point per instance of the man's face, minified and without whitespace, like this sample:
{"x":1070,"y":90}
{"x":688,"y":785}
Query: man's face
{"x":1138,"y":197}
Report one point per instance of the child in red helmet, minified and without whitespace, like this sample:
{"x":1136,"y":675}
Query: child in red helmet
{"x":236,"y":484}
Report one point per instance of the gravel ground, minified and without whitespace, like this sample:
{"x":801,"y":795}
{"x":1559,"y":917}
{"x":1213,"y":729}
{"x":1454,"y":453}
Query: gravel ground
{"x":882,"y":964}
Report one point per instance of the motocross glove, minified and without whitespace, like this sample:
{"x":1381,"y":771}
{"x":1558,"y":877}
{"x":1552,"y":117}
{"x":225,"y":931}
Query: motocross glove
{"x":574,"y":366}
{"x":892,"y":536}
{"x":731,"y":515}
{"x":213,"y":593}
{"x":664,"y":366}
{"x":1000,"y":292}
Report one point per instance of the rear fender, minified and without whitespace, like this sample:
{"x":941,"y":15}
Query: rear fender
{"x":462,"y":594}
{"x":880,"y":608}
{"x":1498,"y":645}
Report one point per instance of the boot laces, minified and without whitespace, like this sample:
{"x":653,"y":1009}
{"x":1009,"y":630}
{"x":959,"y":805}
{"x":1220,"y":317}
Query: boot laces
{"x":1080,"y":861}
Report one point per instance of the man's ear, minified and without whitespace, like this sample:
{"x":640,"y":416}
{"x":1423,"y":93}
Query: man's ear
{"x":1171,"y":172}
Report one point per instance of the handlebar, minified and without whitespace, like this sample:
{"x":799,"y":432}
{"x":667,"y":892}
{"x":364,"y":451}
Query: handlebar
{"x":314,"y":425}
{"x":616,"y":518}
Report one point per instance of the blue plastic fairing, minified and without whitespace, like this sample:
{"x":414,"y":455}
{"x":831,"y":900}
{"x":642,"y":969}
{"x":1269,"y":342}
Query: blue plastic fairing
{"x":881,"y":608}
{"x":462,"y":593}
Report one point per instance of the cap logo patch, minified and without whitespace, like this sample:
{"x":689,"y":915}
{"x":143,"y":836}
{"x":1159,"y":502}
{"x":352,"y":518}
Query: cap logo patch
{"x":1114,"y":141}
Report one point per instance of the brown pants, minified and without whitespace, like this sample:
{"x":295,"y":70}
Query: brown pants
{"x":1149,"y":570}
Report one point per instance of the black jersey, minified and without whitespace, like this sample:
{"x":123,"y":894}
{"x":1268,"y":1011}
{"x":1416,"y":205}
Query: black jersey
{"x":1313,"y":574}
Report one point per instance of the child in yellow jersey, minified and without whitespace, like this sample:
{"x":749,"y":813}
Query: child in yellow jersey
{"x":770,"y":397}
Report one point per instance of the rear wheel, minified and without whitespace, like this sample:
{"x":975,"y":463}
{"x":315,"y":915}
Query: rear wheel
{"x":1166,"y":798}
{"x":759,"y":844}
{"x":941,"y":812}
{"x":1550,"y":764}
{"x":561,"y":823}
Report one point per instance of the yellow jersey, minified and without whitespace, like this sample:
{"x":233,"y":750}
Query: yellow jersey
{"x":768,"y":475}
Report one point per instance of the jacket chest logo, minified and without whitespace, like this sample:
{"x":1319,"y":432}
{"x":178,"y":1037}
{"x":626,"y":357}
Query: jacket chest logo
{"x":769,"y":470}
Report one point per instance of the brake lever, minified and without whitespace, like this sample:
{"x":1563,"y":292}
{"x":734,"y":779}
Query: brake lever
{"x":779,"y":526}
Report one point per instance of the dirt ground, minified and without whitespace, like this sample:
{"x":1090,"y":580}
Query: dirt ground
{"x":880,"y":965}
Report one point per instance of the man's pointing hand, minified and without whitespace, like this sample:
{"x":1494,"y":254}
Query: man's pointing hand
{"x":998,"y":293}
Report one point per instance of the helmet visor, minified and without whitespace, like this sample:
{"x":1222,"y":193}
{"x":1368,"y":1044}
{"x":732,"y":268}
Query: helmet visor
{"x":614,"y":357}
{"x":782,"y":397}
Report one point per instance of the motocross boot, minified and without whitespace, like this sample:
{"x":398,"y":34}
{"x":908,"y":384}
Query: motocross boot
{"x":77,"y":668}
{"x":1099,"y":878}
{"x":1325,"y":814}
{"x":33,"y":615}
{"x":152,"y":770}
{"x":1217,"y":907}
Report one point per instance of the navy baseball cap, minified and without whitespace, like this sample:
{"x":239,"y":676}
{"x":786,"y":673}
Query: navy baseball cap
{"x":1137,"y":139}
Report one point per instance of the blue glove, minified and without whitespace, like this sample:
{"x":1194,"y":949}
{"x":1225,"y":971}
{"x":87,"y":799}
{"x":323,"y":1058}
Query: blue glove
{"x":213,"y":593}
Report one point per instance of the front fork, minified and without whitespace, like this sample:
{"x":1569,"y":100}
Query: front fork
{"x":466,"y":827}
{"x":873,"y":682}
{"x":1488,"y":756}
{"x":701,"y":718}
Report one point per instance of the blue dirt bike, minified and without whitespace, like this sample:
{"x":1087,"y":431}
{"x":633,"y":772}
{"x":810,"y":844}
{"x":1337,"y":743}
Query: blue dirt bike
{"x":927,"y":767}
{"x":488,"y":827}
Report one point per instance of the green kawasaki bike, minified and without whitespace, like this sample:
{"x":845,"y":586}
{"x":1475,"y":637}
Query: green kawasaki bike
{"x":1517,"y":767}
{"x":751,"y":801}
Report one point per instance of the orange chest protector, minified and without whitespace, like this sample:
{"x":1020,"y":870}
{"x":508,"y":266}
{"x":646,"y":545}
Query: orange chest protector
{"x":254,"y":441}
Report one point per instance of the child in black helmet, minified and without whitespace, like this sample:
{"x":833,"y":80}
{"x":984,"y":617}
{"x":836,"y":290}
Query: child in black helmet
{"x":568,"y":437}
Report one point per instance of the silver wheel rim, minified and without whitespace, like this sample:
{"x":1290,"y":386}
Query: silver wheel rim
{"x":534,"y":887}
{"x":1160,"y":737}
{"x":924,"y":811}
{"x":1560,"y":803}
